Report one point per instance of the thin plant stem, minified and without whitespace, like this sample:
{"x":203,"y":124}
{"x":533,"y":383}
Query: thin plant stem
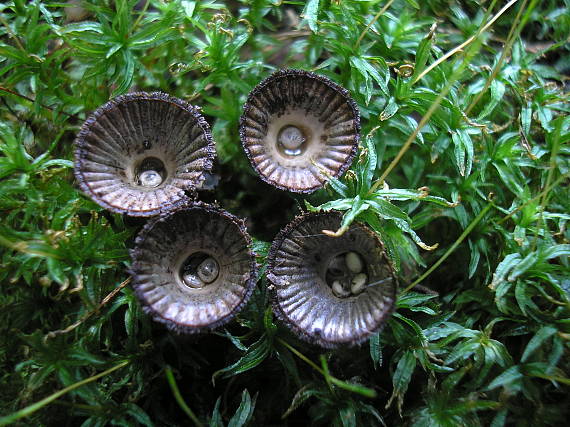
{"x":24,"y":247}
{"x":179,"y":399}
{"x":364,"y":391}
{"x":47,"y":107}
{"x":433,"y":107}
{"x":141,"y":14}
{"x":551,"y":169}
{"x":326,"y":372}
{"x":29,"y":410}
{"x":538,"y":196}
{"x":412,"y":137}
{"x":466,"y":42}
{"x":452,"y":248}
{"x":553,"y":46}
{"x":553,"y":157}
{"x":81,"y":406}
{"x":551,"y":378}
{"x":301,"y":356}
{"x":12,"y":35}
{"x":378,"y":15}
{"x":513,"y":34}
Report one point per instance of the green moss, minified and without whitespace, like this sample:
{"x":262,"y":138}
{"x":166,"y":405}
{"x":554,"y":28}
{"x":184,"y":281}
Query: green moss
{"x":464,"y":163}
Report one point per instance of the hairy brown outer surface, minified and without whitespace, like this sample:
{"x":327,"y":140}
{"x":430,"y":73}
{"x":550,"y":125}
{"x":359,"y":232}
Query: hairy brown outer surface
{"x":135,"y":126}
{"x":302,"y":299}
{"x":160,"y":250}
{"x":311,"y":101}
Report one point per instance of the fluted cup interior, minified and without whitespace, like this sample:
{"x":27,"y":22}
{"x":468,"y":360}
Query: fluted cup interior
{"x":299,"y":270}
{"x":140,"y":152}
{"x":298,"y":129}
{"x":193,"y":268}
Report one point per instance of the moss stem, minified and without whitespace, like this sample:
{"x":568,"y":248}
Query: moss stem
{"x":29,"y":410}
{"x":460,"y":239}
{"x":176,"y":392}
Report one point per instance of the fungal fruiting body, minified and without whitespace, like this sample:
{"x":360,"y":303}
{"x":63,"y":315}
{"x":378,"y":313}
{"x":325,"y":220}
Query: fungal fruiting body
{"x":138,"y":153}
{"x":193,"y":268}
{"x":298,"y":129}
{"x":331,"y":291}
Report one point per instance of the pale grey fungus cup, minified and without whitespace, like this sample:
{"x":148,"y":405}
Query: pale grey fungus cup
{"x":331,"y":291}
{"x":298,"y":129}
{"x":193,"y":268}
{"x":139,"y":153}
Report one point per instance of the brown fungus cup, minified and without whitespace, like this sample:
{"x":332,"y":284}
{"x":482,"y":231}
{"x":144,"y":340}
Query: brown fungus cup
{"x":138,"y":153}
{"x":193,"y":268}
{"x":298,"y":129}
{"x":330,"y":291}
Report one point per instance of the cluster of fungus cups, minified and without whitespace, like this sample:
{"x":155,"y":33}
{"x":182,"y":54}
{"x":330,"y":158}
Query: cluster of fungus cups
{"x":192,"y":265}
{"x":298,"y":130}
{"x":139,"y":154}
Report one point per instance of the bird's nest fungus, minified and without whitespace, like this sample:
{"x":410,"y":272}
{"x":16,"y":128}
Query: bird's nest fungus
{"x":331,"y":291}
{"x":193,"y":268}
{"x":140,"y":152}
{"x":298,"y":129}
{"x":192,"y":265}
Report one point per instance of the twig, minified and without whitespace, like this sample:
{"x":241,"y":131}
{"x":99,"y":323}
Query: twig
{"x":513,"y":34}
{"x":105,"y":300}
{"x":426,"y":290}
{"x":5,"y":89}
{"x":435,"y":104}
{"x":141,"y":14}
{"x":460,"y":239}
{"x":12,"y":35}
{"x":293,"y":34}
{"x":539,"y":195}
{"x":413,"y":136}
{"x":24,"y":247}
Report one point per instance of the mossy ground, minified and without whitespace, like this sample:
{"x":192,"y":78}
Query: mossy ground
{"x":463,"y":170}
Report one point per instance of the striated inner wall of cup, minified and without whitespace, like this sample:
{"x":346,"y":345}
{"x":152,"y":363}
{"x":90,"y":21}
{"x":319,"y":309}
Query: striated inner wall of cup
{"x":117,"y":144}
{"x":323,"y":114}
{"x":169,"y":246}
{"x":299,"y":271}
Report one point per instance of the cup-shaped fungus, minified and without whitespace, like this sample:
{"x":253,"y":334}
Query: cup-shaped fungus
{"x":193,"y":268}
{"x":298,"y":129}
{"x":138,"y":153}
{"x":330,"y":291}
